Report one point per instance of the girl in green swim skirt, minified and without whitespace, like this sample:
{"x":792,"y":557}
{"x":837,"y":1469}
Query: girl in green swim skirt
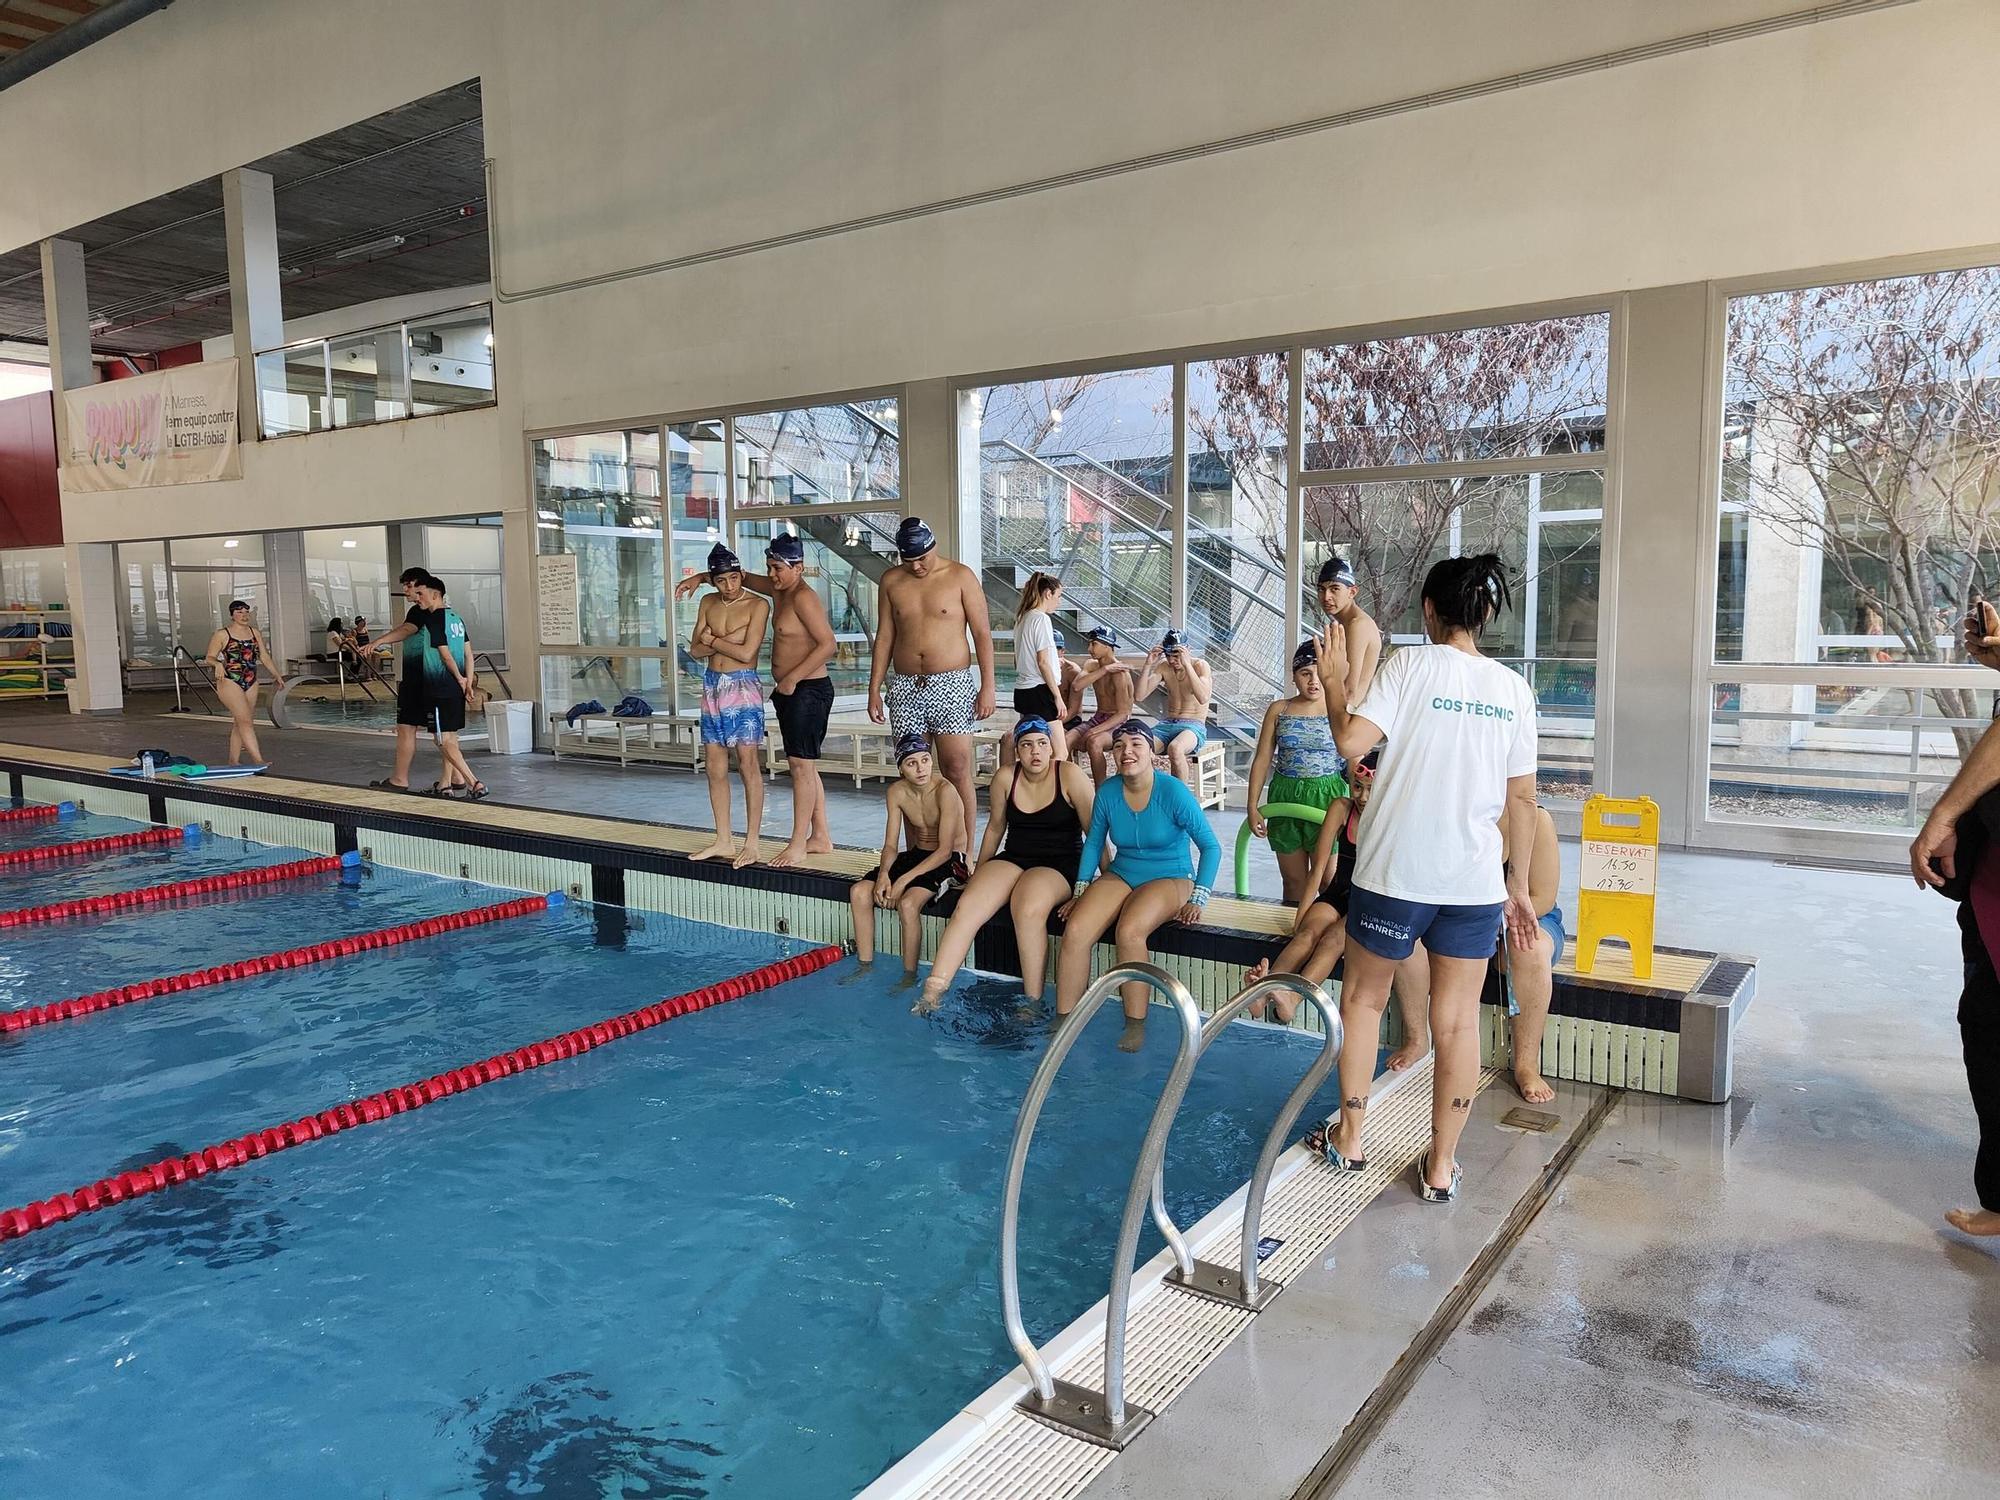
{"x":1295,"y":750}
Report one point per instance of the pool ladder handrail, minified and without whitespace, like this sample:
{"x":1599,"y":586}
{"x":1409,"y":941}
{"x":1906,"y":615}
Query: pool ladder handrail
{"x":1243,"y":1288}
{"x":1104,"y":1418}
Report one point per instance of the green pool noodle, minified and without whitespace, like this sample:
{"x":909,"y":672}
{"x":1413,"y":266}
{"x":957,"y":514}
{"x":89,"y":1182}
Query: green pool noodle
{"x":1312,"y":815}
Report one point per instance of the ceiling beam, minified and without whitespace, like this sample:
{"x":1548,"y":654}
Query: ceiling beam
{"x":27,"y":23}
{"x":74,"y":7}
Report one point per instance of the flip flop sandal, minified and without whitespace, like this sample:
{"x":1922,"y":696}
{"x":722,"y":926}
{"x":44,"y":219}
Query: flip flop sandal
{"x":390,"y":786}
{"x":476,"y":791}
{"x":1320,"y":1139}
{"x":439,"y":790}
{"x":1434,"y":1194}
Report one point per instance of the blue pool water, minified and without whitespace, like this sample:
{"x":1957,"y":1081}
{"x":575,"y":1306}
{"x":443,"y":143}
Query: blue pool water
{"x":749,"y":1253}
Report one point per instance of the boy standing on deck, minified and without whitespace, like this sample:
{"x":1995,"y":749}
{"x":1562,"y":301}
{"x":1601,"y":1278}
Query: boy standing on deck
{"x":926,"y":809}
{"x":729,"y":632}
{"x":802,"y":644}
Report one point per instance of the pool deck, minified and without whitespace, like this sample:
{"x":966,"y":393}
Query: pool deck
{"x":1757,"y":1297}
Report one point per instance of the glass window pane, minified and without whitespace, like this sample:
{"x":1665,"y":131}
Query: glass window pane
{"x":369,"y":371}
{"x":466,"y":559}
{"x":597,"y":495}
{"x":347,"y":575}
{"x":1237,"y":474}
{"x":1514,"y":391}
{"x":291,"y":390}
{"x":697,"y":458}
{"x":1847,"y":758}
{"x":1859,"y":463}
{"x":33,"y":578}
{"x":846,"y":454}
{"x":451,"y":361}
{"x":1393,"y":532}
{"x":142,"y":578}
{"x":846,"y":557}
{"x":1072,"y":476}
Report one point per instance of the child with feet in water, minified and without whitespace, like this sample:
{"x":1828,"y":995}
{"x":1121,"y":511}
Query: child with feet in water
{"x":924,"y":808}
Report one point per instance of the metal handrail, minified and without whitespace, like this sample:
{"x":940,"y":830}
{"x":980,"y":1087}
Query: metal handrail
{"x":201,"y":683}
{"x":498,"y":675}
{"x":1240,"y":1288}
{"x":1103,"y":1418}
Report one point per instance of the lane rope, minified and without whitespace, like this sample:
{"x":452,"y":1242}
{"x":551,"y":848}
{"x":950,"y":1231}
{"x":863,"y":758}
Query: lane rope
{"x":289,"y":958}
{"x":15,"y":1223}
{"x":110,"y":843}
{"x":42,"y":814}
{"x":152,"y":895}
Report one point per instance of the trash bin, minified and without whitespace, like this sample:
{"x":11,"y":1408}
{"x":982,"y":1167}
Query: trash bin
{"x":73,"y":695}
{"x":510,"y":726}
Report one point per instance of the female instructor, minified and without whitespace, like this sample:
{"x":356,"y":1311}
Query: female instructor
{"x":1460,"y":758}
{"x":234,"y":651}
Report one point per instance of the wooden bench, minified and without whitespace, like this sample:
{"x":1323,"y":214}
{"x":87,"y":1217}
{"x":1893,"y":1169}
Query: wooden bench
{"x":654,"y":739}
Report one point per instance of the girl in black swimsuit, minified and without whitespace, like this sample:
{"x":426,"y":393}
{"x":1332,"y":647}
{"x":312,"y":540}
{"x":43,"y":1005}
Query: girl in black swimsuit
{"x":1041,"y":805}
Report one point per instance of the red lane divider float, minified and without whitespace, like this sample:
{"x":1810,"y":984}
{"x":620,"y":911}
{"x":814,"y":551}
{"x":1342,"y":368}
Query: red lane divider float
{"x":111,"y":843}
{"x":36,"y":814}
{"x":230,"y":880}
{"x":17,"y":1222}
{"x":249,"y":968}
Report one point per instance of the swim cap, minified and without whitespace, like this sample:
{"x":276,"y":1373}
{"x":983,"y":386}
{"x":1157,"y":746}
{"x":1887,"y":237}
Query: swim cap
{"x":914,"y":539}
{"x":1033,"y":724}
{"x":1305,"y":656}
{"x":911,"y":744}
{"x":1336,"y":570}
{"x":1105,"y":636}
{"x":1172,"y":642}
{"x":722,"y":560}
{"x":786,"y":548}
{"x":1134,"y":726}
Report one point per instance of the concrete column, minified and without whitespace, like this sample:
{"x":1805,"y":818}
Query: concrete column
{"x":1654,"y":541}
{"x":966,"y":417}
{"x":290,"y":627}
{"x":90,"y":574}
{"x":924,"y":418}
{"x":517,"y":583}
{"x":66,"y":310}
{"x":256,"y":308}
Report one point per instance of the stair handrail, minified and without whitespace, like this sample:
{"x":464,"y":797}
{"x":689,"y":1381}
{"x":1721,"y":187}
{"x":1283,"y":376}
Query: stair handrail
{"x":1116,"y":1424}
{"x":1219,"y":1283}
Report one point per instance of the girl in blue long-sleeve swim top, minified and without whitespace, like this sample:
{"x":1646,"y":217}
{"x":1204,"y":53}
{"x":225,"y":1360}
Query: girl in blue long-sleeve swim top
{"x":1151,"y":821}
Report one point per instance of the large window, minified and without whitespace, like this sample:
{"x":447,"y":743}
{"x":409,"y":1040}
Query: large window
{"x":208,"y":574}
{"x":641,"y":507}
{"x":465,"y":556}
{"x":347,"y":574}
{"x":1860,"y":510}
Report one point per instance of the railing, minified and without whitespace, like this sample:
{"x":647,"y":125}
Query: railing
{"x":388,"y":373}
{"x":1105,"y":1418}
{"x":1102,"y":1418}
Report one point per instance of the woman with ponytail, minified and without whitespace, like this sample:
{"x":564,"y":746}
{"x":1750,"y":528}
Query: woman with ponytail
{"x":1037,"y":664}
{"x":1460,"y":762}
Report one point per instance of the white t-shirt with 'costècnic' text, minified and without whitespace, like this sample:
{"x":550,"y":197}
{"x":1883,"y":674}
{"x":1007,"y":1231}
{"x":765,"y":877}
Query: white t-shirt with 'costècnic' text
{"x":1458,"y":727}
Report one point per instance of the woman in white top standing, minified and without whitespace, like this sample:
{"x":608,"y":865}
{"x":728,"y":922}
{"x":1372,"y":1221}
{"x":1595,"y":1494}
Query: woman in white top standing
{"x":1460,"y":759}
{"x":1037,"y":664}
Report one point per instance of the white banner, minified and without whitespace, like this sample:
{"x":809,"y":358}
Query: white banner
{"x":174,"y":426}
{"x":555,"y":599}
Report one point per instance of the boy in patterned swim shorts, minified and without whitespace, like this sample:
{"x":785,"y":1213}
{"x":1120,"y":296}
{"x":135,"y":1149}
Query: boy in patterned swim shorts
{"x":729,"y":632}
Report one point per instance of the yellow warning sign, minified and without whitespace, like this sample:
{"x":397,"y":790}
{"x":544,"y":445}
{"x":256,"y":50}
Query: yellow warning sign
{"x":1619,"y":869}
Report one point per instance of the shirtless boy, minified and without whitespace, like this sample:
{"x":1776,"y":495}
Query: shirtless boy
{"x":924,"y":808}
{"x":801,"y":645}
{"x":1183,"y":729}
{"x":1364,"y":637}
{"x":729,"y":632}
{"x":1112,"y":681}
{"x":922,"y":666}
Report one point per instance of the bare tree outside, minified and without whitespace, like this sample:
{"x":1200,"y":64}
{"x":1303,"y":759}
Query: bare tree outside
{"x":1870,"y":415}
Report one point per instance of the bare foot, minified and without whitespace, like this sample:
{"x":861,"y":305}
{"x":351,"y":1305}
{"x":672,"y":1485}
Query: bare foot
{"x":788,"y":856}
{"x":1532,"y":1087}
{"x":931,"y":998}
{"x":819,"y":846}
{"x":1285,"y":1006}
{"x":1409,"y":1054}
{"x":1980,"y":1221}
{"x":753,"y":850}
{"x":722,"y":848}
{"x":1256,"y":971}
{"x":908,"y":981}
{"x":1134,"y":1035}
{"x":863,"y":971}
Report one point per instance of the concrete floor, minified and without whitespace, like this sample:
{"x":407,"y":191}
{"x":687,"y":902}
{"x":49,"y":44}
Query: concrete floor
{"x":1757,"y":1298}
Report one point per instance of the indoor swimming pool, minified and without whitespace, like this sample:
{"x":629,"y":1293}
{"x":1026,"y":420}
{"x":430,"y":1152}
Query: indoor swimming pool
{"x":751,"y":1252}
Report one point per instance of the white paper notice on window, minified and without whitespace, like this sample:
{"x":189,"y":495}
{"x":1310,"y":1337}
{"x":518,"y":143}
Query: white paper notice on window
{"x":555,"y":599}
{"x":1625,"y":869}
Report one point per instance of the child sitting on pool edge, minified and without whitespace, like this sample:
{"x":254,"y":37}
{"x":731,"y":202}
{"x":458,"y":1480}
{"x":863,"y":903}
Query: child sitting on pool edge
{"x":920,"y":804}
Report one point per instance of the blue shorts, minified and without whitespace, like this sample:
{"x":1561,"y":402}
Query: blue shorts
{"x":1552,"y":924}
{"x":1167,"y":730}
{"x":1391,"y":929}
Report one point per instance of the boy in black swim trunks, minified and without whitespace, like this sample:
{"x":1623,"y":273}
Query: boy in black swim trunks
{"x":906,"y":880}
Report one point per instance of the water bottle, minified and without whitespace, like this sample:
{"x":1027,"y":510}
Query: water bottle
{"x":146,"y":766}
